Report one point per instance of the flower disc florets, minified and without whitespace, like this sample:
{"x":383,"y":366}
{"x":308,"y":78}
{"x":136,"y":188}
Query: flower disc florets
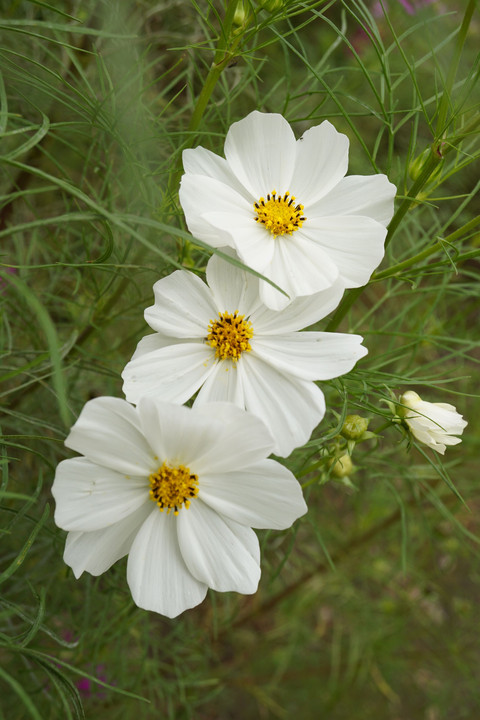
{"x":230,"y":335}
{"x":279,"y":213}
{"x":172,"y":487}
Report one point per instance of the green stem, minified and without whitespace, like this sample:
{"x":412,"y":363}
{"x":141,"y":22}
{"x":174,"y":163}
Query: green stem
{"x":344,"y":307}
{"x":400,"y":267}
{"x":355,"y":293}
{"x":224,"y":54}
{"x":438,"y":151}
{"x":222,"y":57}
{"x":452,"y":72}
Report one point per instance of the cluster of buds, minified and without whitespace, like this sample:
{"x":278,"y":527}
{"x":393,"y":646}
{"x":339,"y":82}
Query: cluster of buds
{"x":338,"y":460}
{"x":436,"y":425}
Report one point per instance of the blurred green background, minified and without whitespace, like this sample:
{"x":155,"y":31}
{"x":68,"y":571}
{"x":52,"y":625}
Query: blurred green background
{"x":369,"y":606}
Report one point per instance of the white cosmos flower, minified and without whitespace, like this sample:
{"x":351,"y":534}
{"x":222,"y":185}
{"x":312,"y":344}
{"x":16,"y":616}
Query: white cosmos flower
{"x":433,"y":424}
{"x":221,"y":340}
{"x":285,"y":206}
{"x":178,"y":490}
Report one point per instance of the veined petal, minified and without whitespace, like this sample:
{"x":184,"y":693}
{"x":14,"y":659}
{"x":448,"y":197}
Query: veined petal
{"x":200,"y":161}
{"x":310,"y":355}
{"x":355,"y":244}
{"x":218,"y":552}
{"x":253,"y":243}
{"x":183,"y":306}
{"x":108,"y":432}
{"x":432,"y":423}
{"x":172,"y":373}
{"x":96,"y":551}
{"x":89,"y":497}
{"x":265,"y":495}
{"x":233,"y":288}
{"x":177,"y":434}
{"x":291,"y":408}
{"x":200,"y":196}
{"x":222,"y":385}
{"x":300,"y":267}
{"x":300,"y":313}
{"x":153,"y":342}
{"x":367,"y":195}
{"x":243,"y":439}
{"x":260,"y":150}
{"x":157,"y":575}
{"x":440,"y":417}
{"x":321,"y":163}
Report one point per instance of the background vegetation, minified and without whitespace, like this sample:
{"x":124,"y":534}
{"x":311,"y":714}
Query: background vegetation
{"x":368,"y":606}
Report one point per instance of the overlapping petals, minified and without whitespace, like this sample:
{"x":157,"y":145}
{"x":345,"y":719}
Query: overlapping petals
{"x":172,"y":558}
{"x":342,"y":236}
{"x":274,"y":378}
{"x":434,"y":424}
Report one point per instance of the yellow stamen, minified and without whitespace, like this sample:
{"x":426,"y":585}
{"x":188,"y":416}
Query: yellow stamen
{"x":229,"y":335}
{"x":279,"y":213}
{"x":172,"y":487}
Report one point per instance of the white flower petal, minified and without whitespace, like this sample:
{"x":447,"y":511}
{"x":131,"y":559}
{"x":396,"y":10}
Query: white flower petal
{"x":178,"y":434}
{"x":265,"y":495}
{"x":96,"y":551}
{"x":89,"y":497}
{"x":300,"y":267}
{"x":222,"y":385}
{"x":260,"y":150}
{"x":108,"y":432}
{"x":434,"y":424}
{"x":368,"y":195}
{"x":254,"y":244}
{"x":183,"y":306}
{"x":354,"y":243}
{"x":440,"y":418}
{"x":153,"y":342}
{"x":157,"y":575}
{"x":310,"y":355}
{"x":291,"y":408}
{"x":300,"y":313}
{"x":172,"y":373}
{"x":243,"y":439}
{"x":215,"y":552}
{"x":233,"y":288}
{"x":200,"y":161}
{"x":321,"y":163}
{"x":200,"y":196}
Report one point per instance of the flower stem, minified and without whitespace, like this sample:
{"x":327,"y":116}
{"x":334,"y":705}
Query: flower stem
{"x":224,"y":54}
{"x":452,"y":72}
{"x":400,"y":267}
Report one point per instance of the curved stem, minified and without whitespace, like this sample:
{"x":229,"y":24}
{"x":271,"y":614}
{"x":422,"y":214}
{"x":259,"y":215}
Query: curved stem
{"x":224,"y":54}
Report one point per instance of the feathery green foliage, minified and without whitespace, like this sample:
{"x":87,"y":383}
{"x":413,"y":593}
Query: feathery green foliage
{"x":369,"y":604}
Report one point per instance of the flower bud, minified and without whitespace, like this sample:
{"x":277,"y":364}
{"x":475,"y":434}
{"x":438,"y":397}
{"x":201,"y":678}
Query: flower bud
{"x":433,"y":424}
{"x":354,"y":427}
{"x":272,"y":5}
{"x":416,"y":165}
{"x":240,"y":14}
{"x":342,"y":467}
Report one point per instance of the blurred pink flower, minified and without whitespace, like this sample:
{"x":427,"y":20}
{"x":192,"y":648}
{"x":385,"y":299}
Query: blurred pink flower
{"x":4,"y":281}
{"x":89,"y":689}
{"x":411,"y":7}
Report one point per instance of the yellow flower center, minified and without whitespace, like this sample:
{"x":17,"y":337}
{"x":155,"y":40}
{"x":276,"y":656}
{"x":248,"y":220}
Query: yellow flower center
{"x":229,"y":335}
{"x":172,"y":487}
{"x":279,"y":213}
